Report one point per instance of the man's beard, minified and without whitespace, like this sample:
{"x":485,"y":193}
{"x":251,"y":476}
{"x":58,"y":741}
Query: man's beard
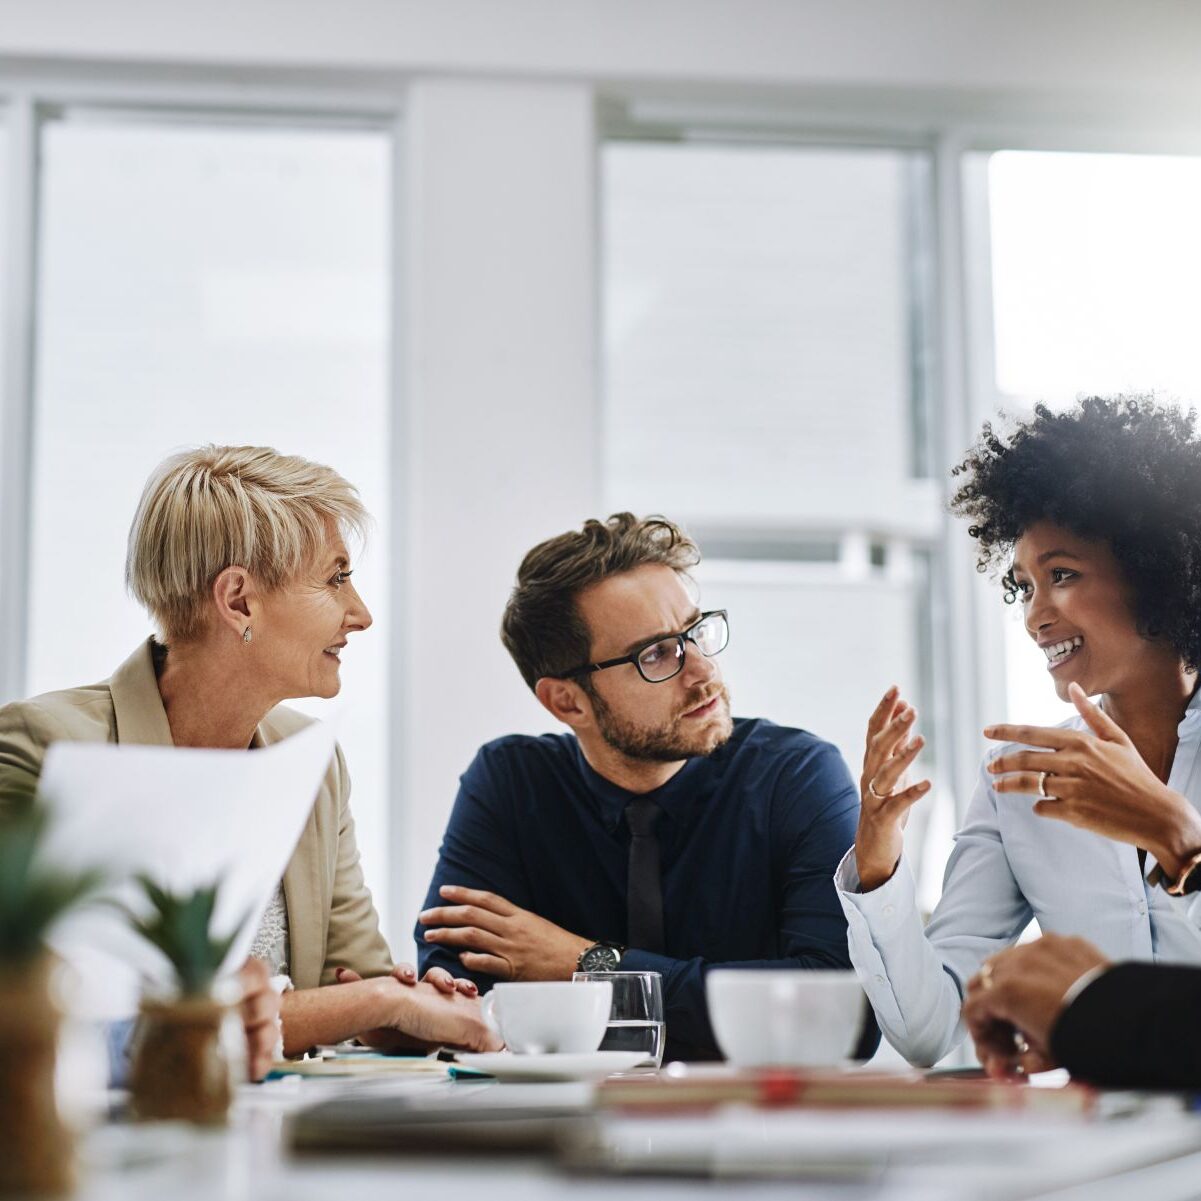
{"x":670,"y":742}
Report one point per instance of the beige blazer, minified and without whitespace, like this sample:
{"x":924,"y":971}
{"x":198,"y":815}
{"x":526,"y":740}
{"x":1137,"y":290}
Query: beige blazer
{"x":332,"y":922}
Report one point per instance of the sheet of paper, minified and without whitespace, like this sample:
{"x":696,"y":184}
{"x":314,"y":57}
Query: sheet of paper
{"x":186,"y":818}
{"x":985,"y":1156}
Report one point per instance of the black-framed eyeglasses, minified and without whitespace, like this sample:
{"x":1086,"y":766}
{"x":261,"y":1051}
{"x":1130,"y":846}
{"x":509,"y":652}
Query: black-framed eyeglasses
{"x":662,"y":658}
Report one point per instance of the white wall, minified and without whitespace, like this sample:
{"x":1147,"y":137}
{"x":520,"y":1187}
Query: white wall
{"x":1111,"y":47}
{"x":498,"y":442}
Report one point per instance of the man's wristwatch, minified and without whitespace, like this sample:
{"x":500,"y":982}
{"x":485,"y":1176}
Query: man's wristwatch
{"x":600,"y":957}
{"x":1187,"y":880}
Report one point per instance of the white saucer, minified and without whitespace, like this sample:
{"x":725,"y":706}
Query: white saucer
{"x":592,"y":1065}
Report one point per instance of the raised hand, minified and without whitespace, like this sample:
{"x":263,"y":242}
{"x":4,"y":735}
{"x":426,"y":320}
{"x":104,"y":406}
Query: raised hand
{"x":1099,"y":782}
{"x":885,"y":793}
{"x":501,"y":939}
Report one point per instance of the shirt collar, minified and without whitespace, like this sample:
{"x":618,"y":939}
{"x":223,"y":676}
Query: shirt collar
{"x":676,"y":798}
{"x":1192,"y":713}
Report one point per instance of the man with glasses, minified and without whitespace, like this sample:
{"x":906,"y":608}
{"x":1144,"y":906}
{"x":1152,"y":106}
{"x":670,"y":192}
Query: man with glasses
{"x":658,"y":834}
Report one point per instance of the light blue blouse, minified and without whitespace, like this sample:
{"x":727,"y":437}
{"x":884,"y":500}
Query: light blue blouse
{"x":1008,"y":866}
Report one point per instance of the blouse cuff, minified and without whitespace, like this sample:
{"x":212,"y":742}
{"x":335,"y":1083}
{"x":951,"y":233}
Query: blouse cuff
{"x":886,"y":908}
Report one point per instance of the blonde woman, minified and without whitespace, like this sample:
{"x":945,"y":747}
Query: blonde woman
{"x":239,"y":554}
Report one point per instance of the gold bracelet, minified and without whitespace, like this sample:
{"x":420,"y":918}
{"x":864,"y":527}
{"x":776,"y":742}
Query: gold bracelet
{"x":1176,"y":887}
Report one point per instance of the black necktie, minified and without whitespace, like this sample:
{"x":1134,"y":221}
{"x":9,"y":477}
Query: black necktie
{"x":644,"y":891}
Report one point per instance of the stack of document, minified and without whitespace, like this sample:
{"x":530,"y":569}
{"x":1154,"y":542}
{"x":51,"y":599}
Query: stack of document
{"x":698,"y":1088}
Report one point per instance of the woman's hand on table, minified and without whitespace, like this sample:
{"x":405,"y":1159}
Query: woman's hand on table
{"x":1014,"y":1001}
{"x":885,"y":794}
{"x":423,"y":1017}
{"x":1098,"y":782}
{"x":437,"y":1011}
{"x":405,"y":973}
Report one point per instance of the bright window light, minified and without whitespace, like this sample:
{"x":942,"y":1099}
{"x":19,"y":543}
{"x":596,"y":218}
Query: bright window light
{"x":1095,"y":262}
{"x":765,"y":314}
{"x":198,"y":284}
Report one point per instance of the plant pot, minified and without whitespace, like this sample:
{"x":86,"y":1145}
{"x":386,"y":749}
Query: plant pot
{"x":36,"y":1148}
{"x":179,"y":1068}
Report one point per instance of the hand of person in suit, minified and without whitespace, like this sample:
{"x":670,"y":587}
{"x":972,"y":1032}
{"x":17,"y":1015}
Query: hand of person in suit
{"x":260,"y":1017}
{"x":1014,"y":1001}
{"x":406,"y":973}
{"x":1099,"y":782}
{"x":496,"y":937}
{"x":884,"y":791}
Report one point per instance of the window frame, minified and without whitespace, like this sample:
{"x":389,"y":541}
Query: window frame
{"x":968,"y":683}
{"x":924,"y":539}
{"x":29,"y":97}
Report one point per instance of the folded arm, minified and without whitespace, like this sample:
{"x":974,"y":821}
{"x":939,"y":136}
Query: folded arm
{"x":475,"y":861}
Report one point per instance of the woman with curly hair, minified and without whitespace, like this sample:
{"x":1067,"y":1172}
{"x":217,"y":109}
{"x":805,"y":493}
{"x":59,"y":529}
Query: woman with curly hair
{"x":1094,"y":516}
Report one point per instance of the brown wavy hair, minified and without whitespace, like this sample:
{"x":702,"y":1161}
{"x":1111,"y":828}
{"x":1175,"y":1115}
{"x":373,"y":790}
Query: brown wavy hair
{"x":542,"y":628}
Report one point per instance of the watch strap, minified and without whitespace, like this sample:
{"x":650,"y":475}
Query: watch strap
{"x":1187,"y":880}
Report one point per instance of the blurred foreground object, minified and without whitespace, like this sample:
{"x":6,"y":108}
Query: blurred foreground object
{"x":36,"y":1148}
{"x":181,"y":1065}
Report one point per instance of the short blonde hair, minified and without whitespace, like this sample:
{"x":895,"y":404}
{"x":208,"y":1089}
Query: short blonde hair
{"x":221,"y":506}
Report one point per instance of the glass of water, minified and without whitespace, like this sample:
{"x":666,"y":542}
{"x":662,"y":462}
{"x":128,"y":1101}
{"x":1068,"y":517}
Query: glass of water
{"x":636,"y":1019}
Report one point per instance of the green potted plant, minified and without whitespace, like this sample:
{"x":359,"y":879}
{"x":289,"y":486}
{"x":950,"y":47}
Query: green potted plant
{"x":179,"y":1068}
{"x":36,"y":1155}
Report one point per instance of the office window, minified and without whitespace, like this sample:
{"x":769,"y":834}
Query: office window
{"x":767,"y":381}
{"x":1094,"y":263}
{"x":763,"y":321}
{"x":206,"y":283}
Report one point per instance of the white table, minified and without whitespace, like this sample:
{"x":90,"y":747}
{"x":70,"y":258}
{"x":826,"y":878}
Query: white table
{"x":1010,"y":1157}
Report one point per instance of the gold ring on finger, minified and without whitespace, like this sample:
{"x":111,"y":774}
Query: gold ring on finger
{"x":871,"y":787}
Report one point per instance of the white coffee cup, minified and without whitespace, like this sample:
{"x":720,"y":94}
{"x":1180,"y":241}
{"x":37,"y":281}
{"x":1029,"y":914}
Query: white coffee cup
{"x":788,"y":1018}
{"x":548,"y":1016}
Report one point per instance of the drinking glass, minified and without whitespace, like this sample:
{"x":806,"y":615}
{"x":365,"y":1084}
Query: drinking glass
{"x":636,"y":1020}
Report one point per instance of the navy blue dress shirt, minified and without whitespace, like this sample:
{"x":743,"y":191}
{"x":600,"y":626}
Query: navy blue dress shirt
{"x":749,"y":839}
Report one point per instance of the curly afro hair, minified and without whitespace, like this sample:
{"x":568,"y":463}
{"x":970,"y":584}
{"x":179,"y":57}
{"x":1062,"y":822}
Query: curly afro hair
{"x":1125,"y":470}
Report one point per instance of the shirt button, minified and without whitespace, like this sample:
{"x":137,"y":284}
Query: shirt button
{"x":881,"y":981}
{"x":889,"y":910}
{"x":1142,"y":908}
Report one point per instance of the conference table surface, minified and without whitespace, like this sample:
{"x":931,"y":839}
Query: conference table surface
{"x":1152,"y":1149}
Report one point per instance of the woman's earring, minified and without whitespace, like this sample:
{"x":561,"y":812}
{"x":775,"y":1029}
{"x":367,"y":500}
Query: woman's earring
{"x":246,"y":635}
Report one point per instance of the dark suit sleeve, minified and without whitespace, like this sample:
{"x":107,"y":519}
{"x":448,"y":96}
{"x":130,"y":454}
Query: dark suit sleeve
{"x":478,"y":851}
{"x":815,"y":811}
{"x":1134,"y":1026}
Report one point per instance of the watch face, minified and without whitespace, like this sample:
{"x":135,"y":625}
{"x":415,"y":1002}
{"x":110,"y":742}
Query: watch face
{"x":599,"y":959}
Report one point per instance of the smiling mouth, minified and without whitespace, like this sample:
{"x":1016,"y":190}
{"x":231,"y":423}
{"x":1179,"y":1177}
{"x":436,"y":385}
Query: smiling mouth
{"x":334,"y":652}
{"x":705,"y":709}
{"x":1058,"y":653}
